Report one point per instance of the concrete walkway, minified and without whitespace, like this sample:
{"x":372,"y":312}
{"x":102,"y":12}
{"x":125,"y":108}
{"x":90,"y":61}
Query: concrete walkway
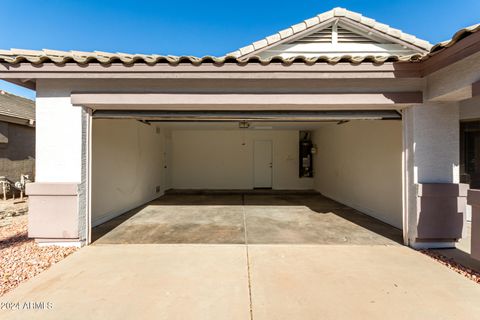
{"x":248,"y":282}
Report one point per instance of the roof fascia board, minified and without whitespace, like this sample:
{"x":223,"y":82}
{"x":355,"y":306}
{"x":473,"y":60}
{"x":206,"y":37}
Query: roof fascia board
{"x":458,"y":51}
{"x":257,"y":71}
{"x":354,"y":24}
{"x":301,"y":34}
{"x":222,"y":102}
{"x":143,"y":67}
{"x":15,"y":120}
{"x":286,"y":75}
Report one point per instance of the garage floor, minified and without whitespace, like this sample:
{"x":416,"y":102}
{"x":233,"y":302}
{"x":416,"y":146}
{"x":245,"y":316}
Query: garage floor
{"x":245,"y":218}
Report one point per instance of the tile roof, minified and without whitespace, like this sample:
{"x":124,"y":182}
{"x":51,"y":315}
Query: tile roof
{"x":37,"y":57}
{"x":326,"y":16}
{"x":16,"y":107}
{"x":15,"y":56}
{"x":459,"y":35}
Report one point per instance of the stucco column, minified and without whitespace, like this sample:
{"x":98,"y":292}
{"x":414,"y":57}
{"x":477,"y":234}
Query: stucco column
{"x":57,"y":209}
{"x":434,"y":201}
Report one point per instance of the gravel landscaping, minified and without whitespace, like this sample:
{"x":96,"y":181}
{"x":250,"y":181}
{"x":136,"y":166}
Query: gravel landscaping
{"x":12,"y":208}
{"x":450,"y":263}
{"x":20,"y":257}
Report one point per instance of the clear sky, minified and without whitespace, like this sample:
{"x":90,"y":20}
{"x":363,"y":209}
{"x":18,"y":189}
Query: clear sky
{"x":212,"y":27}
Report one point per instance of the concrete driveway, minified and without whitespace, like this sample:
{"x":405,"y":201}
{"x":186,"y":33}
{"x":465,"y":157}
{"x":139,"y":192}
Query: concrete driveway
{"x":176,"y":281}
{"x":247,"y":256}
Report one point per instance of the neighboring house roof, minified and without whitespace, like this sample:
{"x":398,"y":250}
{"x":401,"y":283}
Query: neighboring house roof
{"x":16,"y":109}
{"x":36,"y":57}
{"x":327,"y":18}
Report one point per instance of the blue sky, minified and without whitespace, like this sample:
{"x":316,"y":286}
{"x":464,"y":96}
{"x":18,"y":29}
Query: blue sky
{"x":201,"y":27}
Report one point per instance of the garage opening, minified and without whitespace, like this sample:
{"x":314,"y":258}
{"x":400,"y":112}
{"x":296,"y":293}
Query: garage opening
{"x":235,"y":177}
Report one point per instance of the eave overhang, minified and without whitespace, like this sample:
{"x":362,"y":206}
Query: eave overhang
{"x":26,"y":73}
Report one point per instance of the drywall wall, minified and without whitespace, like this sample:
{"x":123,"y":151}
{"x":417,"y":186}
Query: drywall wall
{"x":223,"y":159}
{"x":359,"y":163}
{"x":127,"y":164}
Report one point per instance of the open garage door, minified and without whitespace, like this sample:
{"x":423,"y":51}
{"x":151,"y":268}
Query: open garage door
{"x":305,"y":116}
{"x":352,"y":158}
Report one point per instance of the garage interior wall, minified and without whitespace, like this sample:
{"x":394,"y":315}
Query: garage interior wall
{"x":359,"y":164}
{"x":224,"y":159}
{"x":127,"y":166}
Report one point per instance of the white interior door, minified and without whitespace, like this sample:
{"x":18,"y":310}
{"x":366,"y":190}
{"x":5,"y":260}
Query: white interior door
{"x":262,"y":155}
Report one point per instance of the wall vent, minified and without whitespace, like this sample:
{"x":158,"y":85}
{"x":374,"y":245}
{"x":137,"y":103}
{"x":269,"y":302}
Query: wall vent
{"x":326,"y":36}
{"x":322,"y":36}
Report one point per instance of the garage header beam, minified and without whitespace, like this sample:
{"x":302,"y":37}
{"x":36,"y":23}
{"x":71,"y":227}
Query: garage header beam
{"x":246,"y":102}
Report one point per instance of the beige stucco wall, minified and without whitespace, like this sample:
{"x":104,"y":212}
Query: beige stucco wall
{"x":359,"y":163}
{"x":216,"y":159}
{"x":127,"y":166}
{"x":470,"y":109}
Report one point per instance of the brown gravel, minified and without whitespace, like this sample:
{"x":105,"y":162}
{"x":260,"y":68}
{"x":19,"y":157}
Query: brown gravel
{"x":12,"y":208}
{"x":450,"y":263}
{"x":21,"y":258}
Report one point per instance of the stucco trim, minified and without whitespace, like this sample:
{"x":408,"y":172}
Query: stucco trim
{"x":442,"y":189}
{"x":53,"y":211}
{"x":440,"y":211}
{"x":473,"y":199}
{"x":49,"y":189}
